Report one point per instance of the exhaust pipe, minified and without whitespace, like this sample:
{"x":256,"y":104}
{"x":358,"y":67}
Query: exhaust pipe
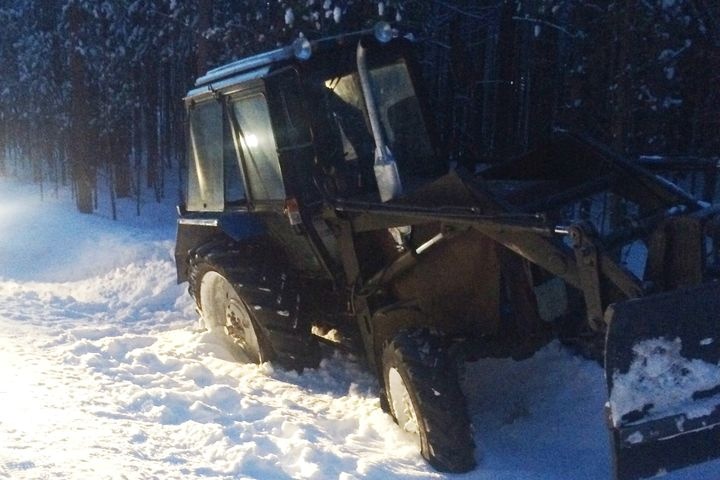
{"x":385,"y":167}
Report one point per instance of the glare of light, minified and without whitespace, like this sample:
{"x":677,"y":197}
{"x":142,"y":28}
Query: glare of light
{"x":251,"y":140}
{"x":10,"y":211}
{"x":25,"y":395}
{"x":41,"y":409}
{"x":4,"y":212}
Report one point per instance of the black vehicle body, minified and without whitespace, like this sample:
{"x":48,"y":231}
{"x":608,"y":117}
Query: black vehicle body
{"x":282,"y":202}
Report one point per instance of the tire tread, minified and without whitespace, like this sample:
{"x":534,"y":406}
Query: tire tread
{"x":440,"y":402}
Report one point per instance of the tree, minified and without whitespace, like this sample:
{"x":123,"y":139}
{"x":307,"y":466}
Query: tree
{"x":91,"y":91}
{"x":81,"y":160}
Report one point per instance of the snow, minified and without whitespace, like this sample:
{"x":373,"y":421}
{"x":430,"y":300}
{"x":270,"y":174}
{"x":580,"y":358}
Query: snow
{"x":289,"y":17}
{"x":659,"y":375}
{"x":105,"y":374}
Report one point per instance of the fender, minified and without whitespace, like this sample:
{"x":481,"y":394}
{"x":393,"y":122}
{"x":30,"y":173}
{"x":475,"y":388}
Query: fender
{"x":195,"y":230}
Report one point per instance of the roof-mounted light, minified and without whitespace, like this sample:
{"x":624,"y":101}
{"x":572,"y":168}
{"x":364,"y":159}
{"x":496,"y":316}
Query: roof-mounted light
{"x":384,"y":32}
{"x":302,"y":49}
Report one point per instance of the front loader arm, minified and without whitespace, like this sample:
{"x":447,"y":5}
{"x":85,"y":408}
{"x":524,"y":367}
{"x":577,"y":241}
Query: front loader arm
{"x":528,"y":235}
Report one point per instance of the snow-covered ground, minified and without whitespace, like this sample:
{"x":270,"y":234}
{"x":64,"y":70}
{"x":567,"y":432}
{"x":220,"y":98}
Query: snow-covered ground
{"x":104,"y":374}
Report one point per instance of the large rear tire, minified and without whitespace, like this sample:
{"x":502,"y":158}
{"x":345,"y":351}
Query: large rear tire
{"x":424,"y":396}
{"x":236,"y":299}
{"x":223,"y":311}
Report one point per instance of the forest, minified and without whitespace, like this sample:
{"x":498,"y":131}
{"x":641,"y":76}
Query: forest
{"x":91,"y":91}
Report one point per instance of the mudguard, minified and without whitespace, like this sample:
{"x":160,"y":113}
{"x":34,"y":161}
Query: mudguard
{"x":662,"y":368}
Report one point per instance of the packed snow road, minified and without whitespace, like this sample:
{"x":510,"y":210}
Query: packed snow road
{"x":104,"y":374}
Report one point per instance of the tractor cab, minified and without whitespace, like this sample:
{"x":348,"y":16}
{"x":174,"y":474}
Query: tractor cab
{"x":275,"y":128}
{"x":281,"y":134}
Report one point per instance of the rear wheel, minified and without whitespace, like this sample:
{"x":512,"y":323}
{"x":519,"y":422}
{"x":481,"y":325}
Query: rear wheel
{"x":423,"y":395}
{"x":223,"y":311}
{"x":256,"y":308}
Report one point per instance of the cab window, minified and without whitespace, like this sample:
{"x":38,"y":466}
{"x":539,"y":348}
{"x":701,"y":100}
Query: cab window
{"x":259,"y":151}
{"x":214,"y":177}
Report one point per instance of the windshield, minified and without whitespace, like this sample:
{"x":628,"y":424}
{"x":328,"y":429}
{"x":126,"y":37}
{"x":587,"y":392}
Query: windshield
{"x":404,"y":129}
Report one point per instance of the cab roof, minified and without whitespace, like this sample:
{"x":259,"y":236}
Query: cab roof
{"x":260,"y":65}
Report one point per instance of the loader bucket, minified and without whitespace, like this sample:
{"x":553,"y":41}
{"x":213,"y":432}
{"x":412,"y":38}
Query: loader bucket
{"x":662,"y":367}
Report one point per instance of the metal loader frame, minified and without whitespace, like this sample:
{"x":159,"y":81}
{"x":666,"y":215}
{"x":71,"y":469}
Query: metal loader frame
{"x":677,"y":229}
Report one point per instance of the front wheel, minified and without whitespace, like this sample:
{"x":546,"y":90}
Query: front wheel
{"x":424,"y":396}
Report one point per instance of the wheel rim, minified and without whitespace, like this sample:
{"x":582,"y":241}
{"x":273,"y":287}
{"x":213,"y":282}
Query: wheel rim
{"x":238,"y":326}
{"x":401,"y":404}
{"x":223,"y":310}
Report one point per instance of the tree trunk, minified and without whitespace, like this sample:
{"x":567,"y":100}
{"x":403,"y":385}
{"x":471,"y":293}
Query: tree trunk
{"x":82,"y":169}
{"x":205,"y":8}
{"x":151,"y":125}
{"x":505,"y":134}
{"x":119,"y":150}
{"x":3,"y":146}
{"x":137,"y":155}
